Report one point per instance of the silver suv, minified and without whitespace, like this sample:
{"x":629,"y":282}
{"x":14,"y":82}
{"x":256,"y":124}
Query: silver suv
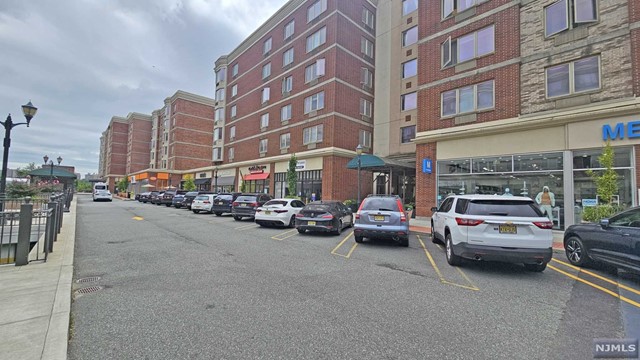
{"x":382,"y":216}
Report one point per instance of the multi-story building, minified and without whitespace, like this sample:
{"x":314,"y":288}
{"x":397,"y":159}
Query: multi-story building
{"x":515,"y":96}
{"x":113,"y":151}
{"x":300,"y":84}
{"x":138,"y":142}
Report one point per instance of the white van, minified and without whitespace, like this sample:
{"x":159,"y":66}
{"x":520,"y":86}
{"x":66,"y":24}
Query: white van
{"x":101,"y":192}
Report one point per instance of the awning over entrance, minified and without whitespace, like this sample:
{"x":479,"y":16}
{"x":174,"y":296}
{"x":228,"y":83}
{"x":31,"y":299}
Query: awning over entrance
{"x":56,"y":172}
{"x":260,"y":176}
{"x":202,"y":181}
{"x":226,"y":180}
{"x":377,"y":163}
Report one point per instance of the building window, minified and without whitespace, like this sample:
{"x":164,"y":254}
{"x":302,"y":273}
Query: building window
{"x":234,"y":111}
{"x":285,"y":113}
{"x":368,"y":18}
{"x":314,"y":102}
{"x":232,"y":132}
{"x":287,"y":57}
{"x":164,"y":164}
{"x":468,"y":99}
{"x":312,"y":134}
{"x":234,"y":70}
{"x":410,"y":36}
{"x":453,"y":7}
{"x":366,"y":77}
{"x":266,"y":71}
{"x":410,"y":68}
{"x":366,"y":46}
{"x":263,"y":146}
{"x":231,"y":153}
{"x":408,"y":133}
{"x":365,"y":138}
{"x":314,"y":71}
{"x":220,"y":94}
{"x":219,"y":114}
{"x":285,"y":141}
{"x":266,"y":46}
{"x":316,"y":9}
{"x":287,"y":84}
{"x":409,"y":6}
{"x":234,"y":90}
{"x":366,"y":107}
{"x":468,"y":47}
{"x":217,"y":154}
{"x":567,"y":14}
{"x":289,"y":29}
{"x":316,"y":39}
{"x":265,"y":95}
{"x":217,"y":134}
{"x":409,"y":101}
{"x":574,"y":77}
{"x":264,"y":121}
{"x":220,"y":75}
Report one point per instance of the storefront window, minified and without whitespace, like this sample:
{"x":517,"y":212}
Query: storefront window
{"x":308,"y":188}
{"x":257,"y":186}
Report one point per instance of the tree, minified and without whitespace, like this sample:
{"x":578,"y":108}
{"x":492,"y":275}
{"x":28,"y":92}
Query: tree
{"x":292,"y":176}
{"x":189,"y":184}
{"x":16,"y":190}
{"x":24,"y":171}
{"x":606,"y":187}
{"x":83,"y":186}
{"x":123,"y":184}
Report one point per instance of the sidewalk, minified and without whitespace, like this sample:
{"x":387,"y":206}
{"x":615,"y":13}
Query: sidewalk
{"x":36,"y":301}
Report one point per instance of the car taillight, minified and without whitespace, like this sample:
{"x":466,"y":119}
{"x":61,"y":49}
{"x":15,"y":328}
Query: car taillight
{"x":255,"y":204}
{"x":235,"y":203}
{"x":206,"y":202}
{"x":298,"y":215}
{"x":357,"y":216}
{"x":468,"y":222}
{"x":403,"y":217}
{"x":281,"y":211}
{"x":327,"y":216}
{"x":543,"y":224}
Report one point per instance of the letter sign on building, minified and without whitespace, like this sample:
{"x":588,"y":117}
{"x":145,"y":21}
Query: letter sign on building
{"x":427,"y":166}
{"x":617,"y":131}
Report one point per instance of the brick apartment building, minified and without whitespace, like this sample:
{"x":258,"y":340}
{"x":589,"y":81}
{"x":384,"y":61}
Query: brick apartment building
{"x":517,"y":95}
{"x":113,"y":151}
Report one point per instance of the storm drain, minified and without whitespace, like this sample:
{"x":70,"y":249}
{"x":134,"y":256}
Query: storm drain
{"x":88,"y":290}
{"x":88,"y":279}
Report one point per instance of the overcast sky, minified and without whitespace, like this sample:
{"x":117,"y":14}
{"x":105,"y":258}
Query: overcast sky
{"x":83,"y":61}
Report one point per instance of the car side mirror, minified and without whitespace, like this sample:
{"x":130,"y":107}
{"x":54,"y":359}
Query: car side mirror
{"x":434,"y":209}
{"x":604,"y":223}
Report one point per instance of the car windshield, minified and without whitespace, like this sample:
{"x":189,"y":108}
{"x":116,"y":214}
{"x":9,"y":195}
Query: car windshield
{"x":202,"y":197}
{"x":224,"y":197}
{"x":513,"y":208}
{"x":380,"y":204}
{"x":276,"y":202}
{"x":318,"y":207}
{"x":246,"y":198}
{"x":191,"y":193}
{"x":101,"y":187}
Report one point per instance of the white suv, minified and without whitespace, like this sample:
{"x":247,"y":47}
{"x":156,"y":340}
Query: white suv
{"x":493,"y":228}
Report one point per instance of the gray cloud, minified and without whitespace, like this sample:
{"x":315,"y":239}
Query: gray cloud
{"x":82,"y":62}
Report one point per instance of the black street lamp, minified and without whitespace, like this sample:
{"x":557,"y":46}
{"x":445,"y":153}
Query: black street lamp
{"x":359,"y":153}
{"x":50,"y":163}
{"x":215,"y":179}
{"x":29,"y":112}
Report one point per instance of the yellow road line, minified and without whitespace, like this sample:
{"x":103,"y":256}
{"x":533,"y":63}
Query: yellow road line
{"x":333,"y":252}
{"x":245,"y":227}
{"x":138,"y":218}
{"x":289,"y":234}
{"x":471,"y":286}
{"x":627,"y":300}
{"x":598,"y":277}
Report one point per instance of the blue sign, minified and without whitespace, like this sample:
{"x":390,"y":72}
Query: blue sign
{"x":427,"y":166}
{"x":589,"y":202}
{"x":618,"y":131}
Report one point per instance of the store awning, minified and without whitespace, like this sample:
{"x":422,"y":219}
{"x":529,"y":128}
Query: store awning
{"x":226,"y":180}
{"x":260,"y":176}
{"x":377,"y":163}
{"x":56,"y":172}
{"x":202,"y":181}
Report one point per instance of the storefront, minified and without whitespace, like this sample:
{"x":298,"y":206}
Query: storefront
{"x":224,"y":180}
{"x":309,"y":180}
{"x":257,"y":180}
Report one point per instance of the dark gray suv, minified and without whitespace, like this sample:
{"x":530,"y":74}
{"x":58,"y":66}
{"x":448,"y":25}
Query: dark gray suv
{"x":245,"y":205}
{"x":382,"y":216}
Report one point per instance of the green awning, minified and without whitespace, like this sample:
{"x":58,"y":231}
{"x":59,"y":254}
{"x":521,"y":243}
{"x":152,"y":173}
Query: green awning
{"x":57,"y":173}
{"x":376,"y":163}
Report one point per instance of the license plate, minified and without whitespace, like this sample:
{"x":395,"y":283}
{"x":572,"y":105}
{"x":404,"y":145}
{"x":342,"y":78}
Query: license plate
{"x":267,"y":212}
{"x":378,"y":218}
{"x":243,"y":204}
{"x":311,"y":223}
{"x":508,"y":229}
{"x":220,"y":203}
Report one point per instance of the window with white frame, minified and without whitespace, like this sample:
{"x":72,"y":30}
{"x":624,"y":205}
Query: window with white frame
{"x":220,"y":94}
{"x":287,"y":57}
{"x":366,"y":107}
{"x":234,"y":70}
{"x":266,"y":71}
{"x":366,"y":46}
{"x":316,"y":9}
{"x":312,"y":134}
{"x":219,"y":114}
{"x":285,"y":141}
{"x":468,"y":47}
{"x":231,"y":154}
{"x":368,"y":18}
{"x":234,"y":90}
{"x":409,"y":101}
{"x":314,"y":70}
{"x":217,"y":154}
{"x":265,"y":94}
{"x":365,"y":138}
{"x":314,"y":102}
{"x":266,"y":47}
{"x":234,"y":111}
{"x":410,"y":68}
{"x":453,"y":7}
{"x":316,"y":39}
{"x":410,"y":36}
{"x":264,"y":121}
{"x":366,"y":77}
{"x":232,"y":132}
{"x":289,"y":29}
{"x":407,"y":133}
{"x":574,"y":77}
{"x":567,"y":14}
{"x":285,"y":113}
{"x":262,"y":148}
{"x":468,"y":99}
{"x":217,"y":134}
{"x":287,"y":84}
{"x":409,"y":6}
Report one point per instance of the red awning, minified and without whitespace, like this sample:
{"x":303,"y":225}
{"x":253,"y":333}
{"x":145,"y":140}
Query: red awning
{"x":260,"y":176}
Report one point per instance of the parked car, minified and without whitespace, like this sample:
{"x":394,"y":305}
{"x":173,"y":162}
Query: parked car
{"x":188,"y":199}
{"x":328,"y":216}
{"x":144,"y":197}
{"x":614,"y":241}
{"x":493,"y":228}
{"x":167,"y":197}
{"x":156,"y":197}
{"x":102,"y":195}
{"x":280,"y":212}
{"x":202,"y":203}
{"x":223,"y":203}
{"x":177,"y":200}
{"x":382,"y":216}
{"x":245,"y":205}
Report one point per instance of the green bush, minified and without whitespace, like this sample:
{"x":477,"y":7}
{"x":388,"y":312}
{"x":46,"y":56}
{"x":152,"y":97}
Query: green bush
{"x":16,"y":190}
{"x":599,"y":212}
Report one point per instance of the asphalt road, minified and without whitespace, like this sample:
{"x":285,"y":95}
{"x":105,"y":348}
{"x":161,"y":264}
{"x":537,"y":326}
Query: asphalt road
{"x":176,"y":285}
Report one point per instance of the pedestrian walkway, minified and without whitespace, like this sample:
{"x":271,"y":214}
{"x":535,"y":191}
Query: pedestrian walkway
{"x":35,"y":301}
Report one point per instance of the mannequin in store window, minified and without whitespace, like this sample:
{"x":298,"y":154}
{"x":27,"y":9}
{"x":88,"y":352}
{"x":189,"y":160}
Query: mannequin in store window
{"x":546,"y":200}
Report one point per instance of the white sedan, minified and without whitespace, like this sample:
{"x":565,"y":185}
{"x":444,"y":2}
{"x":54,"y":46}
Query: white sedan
{"x":280,"y":212}
{"x":102,"y":195}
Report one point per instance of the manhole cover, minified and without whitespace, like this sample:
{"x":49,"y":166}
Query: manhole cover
{"x":88,"y":290}
{"x":88,"y":279}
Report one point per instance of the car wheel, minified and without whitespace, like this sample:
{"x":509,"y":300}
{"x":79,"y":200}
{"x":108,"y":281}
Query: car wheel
{"x":301,"y":231}
{"x":535,"y":267}
{"x":575,"y":251}
{"x":338,"y":230}
{"x":452,"y":259}
{"x":218,"y":214}
{"x":404,"y":242}
{"x":359,"y":239}
{"x":168,"y":205}
{"x":292,"y":222}
{"x":434,"y":239}
{"x":237,"y":218}
{"x":196,"y":211}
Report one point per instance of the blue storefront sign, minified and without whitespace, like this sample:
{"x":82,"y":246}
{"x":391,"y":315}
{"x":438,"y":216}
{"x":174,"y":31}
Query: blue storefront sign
{"x":619,"y":130}
{"x":427,"y":166}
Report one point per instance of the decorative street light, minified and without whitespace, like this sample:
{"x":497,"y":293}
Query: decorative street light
{"x":359,"y":153}
{"x":215,"y":179}
{"x":29,"y":112}
{"x":50,"y":163}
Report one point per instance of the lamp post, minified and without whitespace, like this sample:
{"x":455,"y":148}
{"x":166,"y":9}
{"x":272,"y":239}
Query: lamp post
{"x":359,"y":153}
{"x":50,"y":163}
{"x":29,"y":112}
{"x":215,"y":179}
